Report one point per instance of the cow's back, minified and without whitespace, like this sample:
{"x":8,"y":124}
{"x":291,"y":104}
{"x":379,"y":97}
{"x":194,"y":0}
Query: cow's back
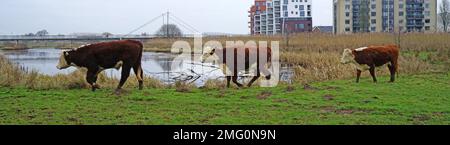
{"x":107,"y":54}
{"x":377,"y":55}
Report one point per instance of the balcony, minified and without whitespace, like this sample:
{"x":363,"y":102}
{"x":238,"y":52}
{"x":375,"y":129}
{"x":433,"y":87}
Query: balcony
{"x":421,"y":16}
{"x":417,"y":9}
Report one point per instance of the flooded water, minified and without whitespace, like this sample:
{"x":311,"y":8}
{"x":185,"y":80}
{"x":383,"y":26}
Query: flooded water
{"x":157,"y":65}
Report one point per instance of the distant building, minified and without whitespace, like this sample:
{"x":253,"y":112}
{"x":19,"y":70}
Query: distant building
{"x":269,"y":17}
{"x":352,"y":16}
{"x":323,"y":29}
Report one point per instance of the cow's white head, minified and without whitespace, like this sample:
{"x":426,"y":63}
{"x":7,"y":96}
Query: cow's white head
{"x":64,"y":60}
{"x":347,"y":56}
{"x":208,"y":52}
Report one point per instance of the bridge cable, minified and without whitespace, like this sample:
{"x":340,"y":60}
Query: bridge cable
{"x":184,"y":23}
{"x":145,"y":24}
{"x":184,"y":26}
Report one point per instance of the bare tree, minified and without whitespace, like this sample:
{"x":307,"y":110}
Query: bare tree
{"x":42,"y":33}
{"x":169,"y":30}
{"x":445,"y":14}
{"x":107,"y":34}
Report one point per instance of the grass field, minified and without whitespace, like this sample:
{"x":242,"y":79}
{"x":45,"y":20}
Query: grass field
{"x":414,"y":99}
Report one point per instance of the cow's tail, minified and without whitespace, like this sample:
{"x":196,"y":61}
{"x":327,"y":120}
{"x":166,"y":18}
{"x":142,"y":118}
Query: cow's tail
{"x":140,"y":72}
{"x":397,"y":55}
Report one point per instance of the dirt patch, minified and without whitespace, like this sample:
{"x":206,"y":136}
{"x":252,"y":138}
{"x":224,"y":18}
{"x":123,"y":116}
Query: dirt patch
{"x":332,"y":109}
{"x":420,"y":118}
{"x":345,"y":111}
{"x":309,"y":87}
{"x":328,"y":97}
{"x":290,"y":88}
{"x":331,"y":88}
{"x":264,"y":95}
{"x":327,"y":109}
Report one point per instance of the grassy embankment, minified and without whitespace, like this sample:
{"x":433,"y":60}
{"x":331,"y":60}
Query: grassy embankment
{"x":414,"y":99}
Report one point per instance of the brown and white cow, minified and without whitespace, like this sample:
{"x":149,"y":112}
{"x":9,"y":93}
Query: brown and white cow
{"x":230,"y":65}
{"x":367,"y":58}
{"x":100,"y":56}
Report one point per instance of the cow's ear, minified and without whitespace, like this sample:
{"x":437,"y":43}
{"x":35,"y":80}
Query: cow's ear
{"x":66,"y":53}
{"x":213,"y":51}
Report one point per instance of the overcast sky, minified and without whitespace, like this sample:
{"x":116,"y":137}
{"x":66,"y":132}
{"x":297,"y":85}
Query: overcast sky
{"x":122,"y":16}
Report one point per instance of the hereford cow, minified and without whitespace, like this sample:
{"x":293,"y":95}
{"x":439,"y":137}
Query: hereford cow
{"x":367,"y":58}
{"x":230,"y":63}
{"x":100,"y":56}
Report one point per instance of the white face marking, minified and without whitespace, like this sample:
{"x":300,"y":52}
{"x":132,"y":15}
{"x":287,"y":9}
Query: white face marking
{"x":347,"y":56}
{"x":208,"y":51}
{"x":62,"y":64}
{"x":361,"y":49}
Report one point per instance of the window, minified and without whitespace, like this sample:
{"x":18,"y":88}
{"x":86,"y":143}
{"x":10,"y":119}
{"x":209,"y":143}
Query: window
{"x":347,"y":14}
{"x":373,"y":14}
{"x":302,"y":7}
{"x":302,"y":13}
{"x":347,"y":21}
{"x":300,"y":26}
{"x":427,"y":20}
{"x":347,"y":29}
{"x":373,"y":21}
{"x":400,"y":13}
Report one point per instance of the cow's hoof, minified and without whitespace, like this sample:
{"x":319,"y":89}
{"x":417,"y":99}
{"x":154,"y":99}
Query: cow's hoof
{"x":268,"y":77}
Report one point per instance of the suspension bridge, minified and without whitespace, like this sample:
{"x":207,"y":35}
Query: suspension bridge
{"x":167,"y":18}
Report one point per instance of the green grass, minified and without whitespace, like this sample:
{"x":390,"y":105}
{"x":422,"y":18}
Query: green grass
{"x":417,"y":99}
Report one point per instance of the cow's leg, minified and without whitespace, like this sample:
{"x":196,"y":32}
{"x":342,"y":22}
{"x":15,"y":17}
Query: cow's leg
{"x":236,"y":82}
{"x":124,"y":76}
{"x":228,"y":81}
{"x":91,"y":78}
{"x":139,"y":75}
{"x":265,"y":71}
{"x":358,"y":75}
{"x":254,"y":79}
{"x":392,"y":71}
{"x":372,"y":73}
